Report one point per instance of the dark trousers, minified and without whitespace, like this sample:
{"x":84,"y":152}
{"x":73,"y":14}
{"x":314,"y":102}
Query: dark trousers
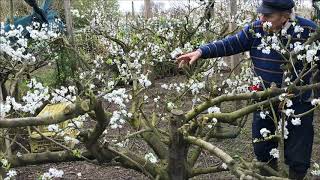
{"x":298,"y":146}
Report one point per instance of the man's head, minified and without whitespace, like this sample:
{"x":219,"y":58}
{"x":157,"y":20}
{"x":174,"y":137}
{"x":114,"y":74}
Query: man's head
{"x":275,"y":11}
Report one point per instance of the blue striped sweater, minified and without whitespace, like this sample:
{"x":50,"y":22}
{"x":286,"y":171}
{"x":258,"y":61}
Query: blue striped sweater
{"x":268,"y":66}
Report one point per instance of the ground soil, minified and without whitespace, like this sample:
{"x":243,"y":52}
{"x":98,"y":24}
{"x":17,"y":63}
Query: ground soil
{"x":239,"y":146}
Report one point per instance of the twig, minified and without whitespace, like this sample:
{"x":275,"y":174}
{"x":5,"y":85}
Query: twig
{"x":138,"y":165}
{"x":59,"y":144}
{"x":19,"y":144}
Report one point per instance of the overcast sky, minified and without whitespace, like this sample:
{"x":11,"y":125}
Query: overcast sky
{"x":125,"y":5}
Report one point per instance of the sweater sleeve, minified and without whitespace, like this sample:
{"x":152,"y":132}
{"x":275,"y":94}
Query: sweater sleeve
{"x":240,"y":42}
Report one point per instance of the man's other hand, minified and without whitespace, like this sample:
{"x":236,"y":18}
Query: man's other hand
{"x":188,"y":58}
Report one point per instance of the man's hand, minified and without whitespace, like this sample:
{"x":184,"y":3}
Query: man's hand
{"x":188,"y":58}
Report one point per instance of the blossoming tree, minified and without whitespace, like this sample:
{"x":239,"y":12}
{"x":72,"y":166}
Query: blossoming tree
{"x":174,"y":124}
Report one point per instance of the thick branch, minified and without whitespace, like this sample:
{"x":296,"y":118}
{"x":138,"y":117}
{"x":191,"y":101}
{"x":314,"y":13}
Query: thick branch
{"x":91,"y":140}
{"x":232,"y":116}
{"x":271,"y":92}
{"x":45,"y":157}
{"x":70,"y":112}
{"x":211,"y":148}
{"x":226,"y":158}
{"x":200,"y":171}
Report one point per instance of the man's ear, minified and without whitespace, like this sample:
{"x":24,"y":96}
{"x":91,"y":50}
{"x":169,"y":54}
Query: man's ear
{"x":285,"y":16}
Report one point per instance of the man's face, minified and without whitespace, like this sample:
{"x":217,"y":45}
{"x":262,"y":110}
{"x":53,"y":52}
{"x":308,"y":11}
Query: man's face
{"x":277,"y":20}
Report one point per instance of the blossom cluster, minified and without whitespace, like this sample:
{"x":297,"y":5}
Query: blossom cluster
{"x":10,"y":174}
{"x":118,"y":97}
{"x":64,"y":94}
{"x":15,"y":43}
{"x":52,"y":173}
{"x":285,"y":129}
{"x":32,"y":100}
{"x":275,"y":153}
{"x":307,"y":53}
{"x":316,"y":170}
{"x":118,"y":118}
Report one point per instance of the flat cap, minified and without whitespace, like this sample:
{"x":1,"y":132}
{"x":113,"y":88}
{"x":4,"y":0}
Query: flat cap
{"x":271,"y":6}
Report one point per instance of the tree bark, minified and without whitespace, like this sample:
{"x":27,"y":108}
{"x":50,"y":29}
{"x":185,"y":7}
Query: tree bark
{"x":147,"y":9}
{"x":45,"y":157}
{"x":70,"y":112}
{"x":177,"y":167}
{"x":235,"y":59}
{"x":67,"y":12}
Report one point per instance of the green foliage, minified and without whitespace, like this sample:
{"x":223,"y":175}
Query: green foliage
{"x":45,"y":75}
{"x":67,"y":63}
{"x":77,"y":153}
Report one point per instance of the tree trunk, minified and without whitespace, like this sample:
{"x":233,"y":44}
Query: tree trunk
{"x":147,"y":9}
{"x":132,"y":9}
{"x":235,"y":59}
{"x":177,"y":148}
{"x":4,"y":143}
{"x":67,"y":13}
{"x":11,"y":12}
{"x":148,"y":69}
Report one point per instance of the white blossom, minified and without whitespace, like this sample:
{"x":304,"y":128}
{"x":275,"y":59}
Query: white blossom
{"x":19,"y":154}
{"x":316,"y":170}
{"x":275,"y":153}
{"x":156,"y":99}
{"x":118,"y":97}
{"x":117,"y":119}
{"x":267,"y":25}
{"x":56,"y":173}
{"x":175,"y":53}
{"x":282,"y":96}
{"x":214,"y":120}
{"x":289,"y":112}
{"x":196,"y":87}
{"x":315,"y":102}
{"x":53,"y":128}
{"x":71,"y":140}
{"x":264,"y":132}
{"x":143,"y":80}
{"x":214,"y":109}
{"x":64,"y":94}
{"x":170,"y":105}
{"x":288,"y":102}
{"x":311,"y":55}
{"x":298,"y":47}
{"x":11,"y":173}
{"x":296,"y":121}
{"x":224,"y":166}
{"x":298,"y":29}
{"x":4,"y":108}
{"x":164,"y":86}
{"x":266,"y":50}
{"x":263,"y":114}
{"x":286,"y":131}
{"x":151,"y":157}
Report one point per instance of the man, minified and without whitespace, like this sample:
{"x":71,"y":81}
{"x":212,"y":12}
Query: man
{"x":298,"y":145}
